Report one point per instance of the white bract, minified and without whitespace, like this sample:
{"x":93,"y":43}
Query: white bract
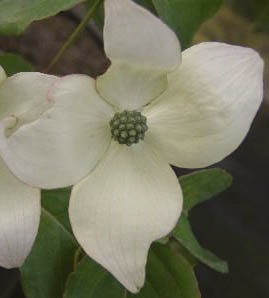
{"x":126,"y":197}
{"x":21,"y":100}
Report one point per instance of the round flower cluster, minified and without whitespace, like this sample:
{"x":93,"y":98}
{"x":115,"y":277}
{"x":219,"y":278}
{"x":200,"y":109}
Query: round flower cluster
{"x":128,"y":127}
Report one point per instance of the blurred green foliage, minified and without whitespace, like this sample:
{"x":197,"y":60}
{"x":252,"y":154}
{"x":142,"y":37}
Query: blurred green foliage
{"x":186,"y":16}
{"x":256,"y":11}
{"x":16,"y":15}
{"x":169,"y":275}
{"x":13,"y":63}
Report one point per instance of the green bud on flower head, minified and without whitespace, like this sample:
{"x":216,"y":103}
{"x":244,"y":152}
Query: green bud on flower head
{"x":128,"y":127}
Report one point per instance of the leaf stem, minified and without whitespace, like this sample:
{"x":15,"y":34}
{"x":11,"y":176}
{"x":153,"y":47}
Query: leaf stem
{"x":125,"y":293}
{"x":74,"y":35}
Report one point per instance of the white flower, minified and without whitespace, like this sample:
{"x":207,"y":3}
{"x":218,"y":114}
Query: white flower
{"x":21,"y":97}
{"x":125,"y":197}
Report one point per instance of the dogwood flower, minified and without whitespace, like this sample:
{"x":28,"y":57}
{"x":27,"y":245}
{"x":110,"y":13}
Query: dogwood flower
{"x":21,"y":96}
{"x":114,"y":137}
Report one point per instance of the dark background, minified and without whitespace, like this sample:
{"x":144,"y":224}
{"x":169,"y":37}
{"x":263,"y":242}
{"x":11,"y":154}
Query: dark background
{"x":235,"y":225}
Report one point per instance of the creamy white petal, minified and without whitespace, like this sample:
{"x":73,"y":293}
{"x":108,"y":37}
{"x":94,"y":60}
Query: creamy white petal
{"x":129,"y":87}
{"x":209,"y":106}
{"x":131,"y":199}
{"x":142,"y":50}
{"x":20,"y":209}
{"x":24,"y":95}
{"x":135,"y":36}
{"x":3,"y":75}
{"x":66,"y":142}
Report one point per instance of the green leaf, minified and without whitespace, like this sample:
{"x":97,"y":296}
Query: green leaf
{"x":13,"y":63}
{"x":168,"y":276}
{"x":56,"y":203}
{"x":46,"y":269}
{"x":147,"y":4}
{"x":186,"y":16}
{"x":184,"y":235}
{"x":99,"y":14}
{"x":203,"y":185}
{"x":16,"y":15}
{"x":91,"y":280}
{"x":198,"y":187}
